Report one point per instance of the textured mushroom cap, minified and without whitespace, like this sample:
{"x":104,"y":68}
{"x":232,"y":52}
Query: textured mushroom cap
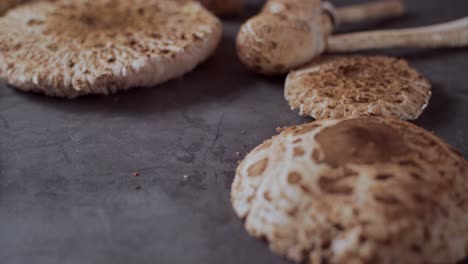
{"x":366,"y":190}
{"x":281,"y":37}
{"x":353,"y":86}
{"x":69,"y":48}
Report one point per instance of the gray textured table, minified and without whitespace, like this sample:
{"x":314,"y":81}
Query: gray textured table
{"x":67,"y":194}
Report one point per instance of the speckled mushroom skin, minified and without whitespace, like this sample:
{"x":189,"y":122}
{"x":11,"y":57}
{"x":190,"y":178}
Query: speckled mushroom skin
{"x":367,"y":190}
{"x":353,"y":86}
{"x":264,"y":41}
{"x":69,"y":48}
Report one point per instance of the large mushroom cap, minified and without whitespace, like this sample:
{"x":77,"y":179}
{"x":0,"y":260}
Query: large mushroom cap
{"x":353,"y":86}
{"x":69,"y":48}
{"x":366,"y":190}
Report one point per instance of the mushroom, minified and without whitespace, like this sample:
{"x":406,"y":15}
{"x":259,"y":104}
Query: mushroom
{"x":277,"y":43}
{"x":218,"y":7}
{"x":288,"y":33}
{"x":452,"y":34}
{"x":224,"y":7}
{"x":353,"y":86}
{"x":370,"y":11}
{"x":365,"y":190}
{"x":69,"y":48}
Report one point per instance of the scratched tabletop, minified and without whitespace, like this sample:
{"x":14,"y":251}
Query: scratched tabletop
{"x":144,"y":176}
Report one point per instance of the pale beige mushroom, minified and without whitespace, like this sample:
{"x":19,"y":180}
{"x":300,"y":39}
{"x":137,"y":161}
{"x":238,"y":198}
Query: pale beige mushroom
{"x":370,"y":11}
{"x":367,"y":190}
{"x":276,"y":43}
{"x":452,"y":34}
{"x":69,"y":48}
{"x":287,"y":33}
{"x":354,"y":86}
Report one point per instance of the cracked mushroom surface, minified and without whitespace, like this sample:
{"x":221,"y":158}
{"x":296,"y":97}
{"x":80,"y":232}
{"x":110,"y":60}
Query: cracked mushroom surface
{"x":69,"y":48}
{"x":365,"y":190}
{"x":354,"y":86}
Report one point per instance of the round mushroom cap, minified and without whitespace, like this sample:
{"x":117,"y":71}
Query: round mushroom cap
{"x":354,"y":86}
{"x":365,"y":190}
{"x":69,"y":48}
{"x":273,"y":44}
{"x":283,"y":37}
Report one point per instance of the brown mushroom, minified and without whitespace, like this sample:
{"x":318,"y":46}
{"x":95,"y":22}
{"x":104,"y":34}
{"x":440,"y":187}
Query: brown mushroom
{"x":366,"y":190}
{"x":287,"y":33}
{"x":353,"y":86}
{"x":276,"y":43}
{"x":69,"y":48}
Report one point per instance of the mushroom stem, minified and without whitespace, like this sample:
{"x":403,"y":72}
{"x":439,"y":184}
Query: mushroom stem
{"x":288,"y":33}
{"x":370,"y":11}
{"x":445,"y":35}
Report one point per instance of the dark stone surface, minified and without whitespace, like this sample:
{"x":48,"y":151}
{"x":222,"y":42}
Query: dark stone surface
{"x":67,"y":194}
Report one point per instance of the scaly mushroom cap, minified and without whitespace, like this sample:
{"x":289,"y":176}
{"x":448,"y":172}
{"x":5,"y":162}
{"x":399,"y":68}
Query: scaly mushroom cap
{"x":353,"y":86}
{"x":366,"y":190}
{"x":281,"y":38}
{"x":69,"y":48}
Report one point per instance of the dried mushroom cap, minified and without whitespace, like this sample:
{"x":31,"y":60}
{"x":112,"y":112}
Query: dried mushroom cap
{"x":365,"y":190}
{"x":264,"y":41}
{"x":344,"y":87}
{"x":69,"y":48}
